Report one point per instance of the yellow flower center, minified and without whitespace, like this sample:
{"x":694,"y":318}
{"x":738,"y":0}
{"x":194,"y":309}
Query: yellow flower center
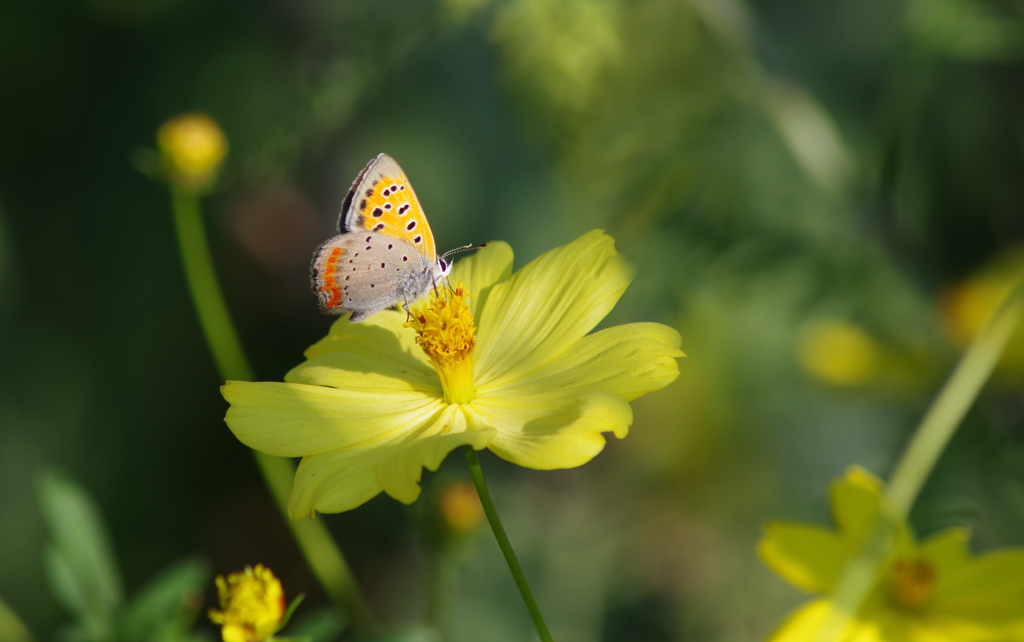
{"x":252,"y":603}
{"x":912,"y":583}
{"x":445,"y":330}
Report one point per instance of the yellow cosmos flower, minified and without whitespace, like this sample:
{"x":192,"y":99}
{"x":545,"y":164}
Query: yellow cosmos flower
{"x":252,"y":604}
{"x":929,"y":591}
{"x":513,"y":368}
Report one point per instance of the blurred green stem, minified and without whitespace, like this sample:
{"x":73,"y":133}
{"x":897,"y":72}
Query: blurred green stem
{"x":323,"y":556}
{"x":954,"y":400}
{"x":504,"y":544}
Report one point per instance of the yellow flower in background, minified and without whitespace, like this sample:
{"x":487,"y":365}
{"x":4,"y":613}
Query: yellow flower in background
{"x":928,"y":591}
{"x":514,"y":368}
{"x":967,"y":306}
{"x":252,"y":605}
{"x":193,"y":147}
{"x":839,"y":353}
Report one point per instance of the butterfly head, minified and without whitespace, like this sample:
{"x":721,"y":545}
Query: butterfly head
{"x":442,"y":267}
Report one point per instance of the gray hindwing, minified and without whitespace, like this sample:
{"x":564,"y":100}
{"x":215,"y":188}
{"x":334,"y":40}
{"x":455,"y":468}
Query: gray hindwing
{"x":371,"y":272}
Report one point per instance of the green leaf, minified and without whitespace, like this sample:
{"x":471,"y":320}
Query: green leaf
{"x":321,"y":625}
{"x":291,"y":609}
{"x":79,"y":560}
{"x":168,"y":604}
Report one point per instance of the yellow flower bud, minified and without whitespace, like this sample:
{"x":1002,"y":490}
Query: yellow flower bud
{"x":193,"y":147}
{"x":839,"y":353}
{"x":460,"y":507}
{"x":252,"y":604}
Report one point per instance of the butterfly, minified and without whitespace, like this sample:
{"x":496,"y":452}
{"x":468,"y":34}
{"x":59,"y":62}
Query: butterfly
{"x":385,"y":253}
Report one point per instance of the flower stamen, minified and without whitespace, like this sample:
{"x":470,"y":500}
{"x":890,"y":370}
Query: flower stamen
{"x":913,"y":582}
{"x":446,"y":331}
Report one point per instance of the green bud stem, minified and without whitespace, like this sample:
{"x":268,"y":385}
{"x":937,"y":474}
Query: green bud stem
{"x":322,"y":554}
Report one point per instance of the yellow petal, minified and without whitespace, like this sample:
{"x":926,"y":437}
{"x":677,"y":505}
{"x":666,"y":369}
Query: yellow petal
{"x":996,"y":574}
{"x":809,"y":557}
{"x":295,"y":420}
{"x":479,"y":273}
{"x":380,"y":343}
{"x":806,"y":622}
{"x":980,"y":618}
{"x":400,"y":472}
{"x":548,"y":306}
{"x":552,"y":429}
{"x":234,"y":633}
{"x":343,"y":479}
{"x":854,"y":500}
{"x":627,"y":360}
{"x":803,"y":624}
{"x":947,"y":550}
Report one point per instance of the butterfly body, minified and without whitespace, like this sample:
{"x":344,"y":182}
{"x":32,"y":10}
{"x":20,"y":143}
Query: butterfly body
{"x":385,"y":253}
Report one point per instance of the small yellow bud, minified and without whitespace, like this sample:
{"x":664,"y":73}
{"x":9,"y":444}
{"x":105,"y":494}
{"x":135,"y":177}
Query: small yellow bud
{"x":839,"y":353}
{"x":252,"y":604}
{"x":460,"y":507}
{"x":193,"y":147}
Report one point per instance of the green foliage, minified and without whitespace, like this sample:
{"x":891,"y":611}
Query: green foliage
{"x":317,"y":625}
{"x":166,"y":609}
{"x":85,"y":579}
{"x":79,"y":560}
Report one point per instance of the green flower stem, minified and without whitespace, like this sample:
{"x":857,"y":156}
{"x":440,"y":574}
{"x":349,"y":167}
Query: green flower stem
{"x":504,"y":544}
{"x":954,"y":400}
{"x":323,"y":556}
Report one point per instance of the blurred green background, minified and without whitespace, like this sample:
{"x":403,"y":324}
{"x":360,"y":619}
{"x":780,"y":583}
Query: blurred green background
{"x":822,"y":197}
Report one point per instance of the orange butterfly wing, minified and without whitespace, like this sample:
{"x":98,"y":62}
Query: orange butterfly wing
{"x":381,"y":200}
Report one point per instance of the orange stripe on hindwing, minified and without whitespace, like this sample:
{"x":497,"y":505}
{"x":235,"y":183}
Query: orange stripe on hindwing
{"x":330,"y":279}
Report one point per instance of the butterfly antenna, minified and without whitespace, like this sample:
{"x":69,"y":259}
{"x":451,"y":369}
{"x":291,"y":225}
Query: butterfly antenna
{"x":464,"y":248}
